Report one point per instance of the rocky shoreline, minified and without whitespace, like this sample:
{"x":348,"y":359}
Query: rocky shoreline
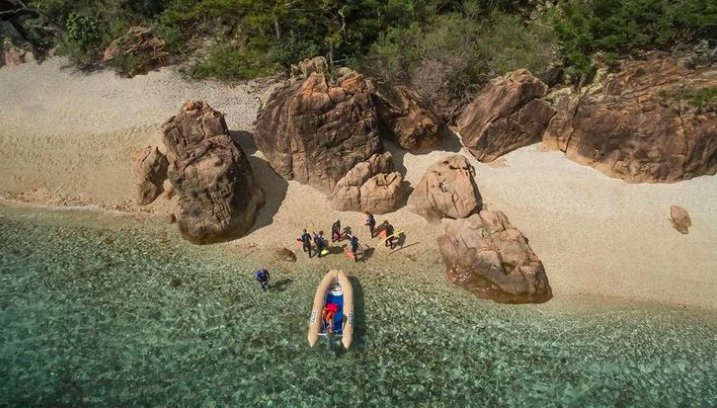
{"x":301,"y":203}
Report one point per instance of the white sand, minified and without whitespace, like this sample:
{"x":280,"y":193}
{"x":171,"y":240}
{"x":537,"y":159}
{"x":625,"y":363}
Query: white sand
{"x":68,"y":139}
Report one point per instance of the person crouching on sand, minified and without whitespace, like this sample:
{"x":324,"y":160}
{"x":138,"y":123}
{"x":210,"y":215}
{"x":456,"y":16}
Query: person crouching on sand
{"x":371,"y":222}
{"x":320,"y":242}
{"x":336,"y":231}
{"x":305,"y":240}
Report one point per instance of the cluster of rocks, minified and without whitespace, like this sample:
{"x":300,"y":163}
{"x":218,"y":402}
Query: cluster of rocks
{"x":328,"y":134}
{"x":482,"y":251}
{"x":218,"y":196}
{"x":648,"y":121}
{"x":14,"y":48}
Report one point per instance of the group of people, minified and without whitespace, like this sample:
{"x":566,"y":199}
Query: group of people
{"x":337,"y":235}
{"x":386,"y":230}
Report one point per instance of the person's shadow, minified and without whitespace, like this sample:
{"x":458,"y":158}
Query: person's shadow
{"x":281,"y":285}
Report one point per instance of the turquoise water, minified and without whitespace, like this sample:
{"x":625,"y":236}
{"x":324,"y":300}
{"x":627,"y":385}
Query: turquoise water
{"x":88,"y":318}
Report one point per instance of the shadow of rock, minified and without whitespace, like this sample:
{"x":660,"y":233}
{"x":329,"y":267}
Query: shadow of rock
{"x":245,"y":140}
{"x":451,"y":142}
{"x":359,"y":313}
{"x":398,"y":154}
{"x":274,"y":185}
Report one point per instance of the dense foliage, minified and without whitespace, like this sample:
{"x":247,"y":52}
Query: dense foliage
{"x":443,"y":47}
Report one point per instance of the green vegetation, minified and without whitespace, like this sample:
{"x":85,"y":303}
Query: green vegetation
{"x":450,"y":47}
{"x":704,"y":99}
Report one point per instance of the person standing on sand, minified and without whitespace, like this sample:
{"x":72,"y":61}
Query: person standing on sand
{"x":336,"y":231}
{"x":262,"y":276}
{"x":320,"y":242}
{"x":371,"y":222}
{"x":388,"y":228}
{"x":354,"y":242}
{"x":305,"y":240}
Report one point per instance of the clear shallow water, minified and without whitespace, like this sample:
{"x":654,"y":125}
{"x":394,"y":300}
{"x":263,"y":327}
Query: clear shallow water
{"x":88,"y":318}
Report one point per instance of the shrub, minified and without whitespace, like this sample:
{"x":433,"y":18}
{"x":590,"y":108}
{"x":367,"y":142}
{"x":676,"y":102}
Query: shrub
{"x":224,"y":62}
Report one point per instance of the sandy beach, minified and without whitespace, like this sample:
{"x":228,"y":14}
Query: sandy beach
{"x":68,"y":139}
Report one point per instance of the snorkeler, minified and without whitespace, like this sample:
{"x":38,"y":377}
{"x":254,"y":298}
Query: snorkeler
{"x":262,"y":275}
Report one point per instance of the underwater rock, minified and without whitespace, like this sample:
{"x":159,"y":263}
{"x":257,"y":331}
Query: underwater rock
{"x":446,"y":190}
{"x":218,"y":194}
{"x":286,"y":255}
{"x":371,"y":185}
{"x":680,"y":219}
{"x":508,"y":114}
{"x":652,"y":121}
{"x":174,"y":282}
{"x":485,"y":254}
{"x":150,"y":168}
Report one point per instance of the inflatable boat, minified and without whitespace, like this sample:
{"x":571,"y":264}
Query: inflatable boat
{"x":333,"y":313}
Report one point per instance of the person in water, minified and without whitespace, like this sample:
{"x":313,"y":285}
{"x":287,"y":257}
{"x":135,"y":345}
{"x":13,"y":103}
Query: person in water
{"x":262,"y":276}
{"x":336,"y":231}
{"x":354,"y":243}
{"x":388,"y":228}
{"x":320,"y":242}
{"x":305,"y":240}
{"x":371,"y":222}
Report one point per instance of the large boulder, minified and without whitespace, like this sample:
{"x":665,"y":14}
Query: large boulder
{"x":446,"y":190}
{"x":651,"y":121}
{"x":488,"y":256}
{"x":507,"y":115}
{"x":314,"y":132}
{"x":371,"y":186}
{"x":140,"y":44}
{"x":408,"y":118}
{"x":150,"y":168}
{"x":218,"y":195}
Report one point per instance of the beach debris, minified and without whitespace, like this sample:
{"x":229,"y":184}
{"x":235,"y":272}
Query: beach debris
{"x":446,"y":190}
{"x":680,"y":219}
{"x":497,"y":265}
{"x":652,"y":121}
{"x":508,"y":114}
{"x":150,"y":169}
{"x":219,"y":196}
{"x":371,"y":186}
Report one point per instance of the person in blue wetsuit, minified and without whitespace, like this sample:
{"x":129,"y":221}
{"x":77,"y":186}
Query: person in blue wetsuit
{"x":320,"y":242}
{"x":371,"y":223}
{"x":262,"y":275}
{"x":305,"y":240}
{"x":354,"y":242}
